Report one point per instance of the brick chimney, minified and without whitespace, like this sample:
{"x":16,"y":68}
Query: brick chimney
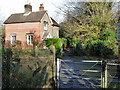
{"x":28,"y":8}
{"x":41,"y":8}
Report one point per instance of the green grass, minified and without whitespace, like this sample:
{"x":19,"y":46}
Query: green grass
{"x":117,"y":85}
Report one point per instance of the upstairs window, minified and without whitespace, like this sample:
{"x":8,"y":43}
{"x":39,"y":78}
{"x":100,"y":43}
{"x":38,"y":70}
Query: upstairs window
{"x":30,"y":39}
{"x":13,"y":38}
{"x":45,"y":25}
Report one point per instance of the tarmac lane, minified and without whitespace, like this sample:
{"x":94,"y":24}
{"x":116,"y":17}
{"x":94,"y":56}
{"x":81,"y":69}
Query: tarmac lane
{"x":72,"y":74}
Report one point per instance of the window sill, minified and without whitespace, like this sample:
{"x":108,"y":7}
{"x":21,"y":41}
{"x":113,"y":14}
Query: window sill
{"x":30,"y":44}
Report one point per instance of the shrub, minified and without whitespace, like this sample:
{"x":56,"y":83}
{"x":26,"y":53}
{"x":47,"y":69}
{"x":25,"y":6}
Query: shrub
{"x":72,"y":42}
{"x":6,"y":62}
{"x":100,"y":49}
{"x":8,"y":44}
{"x":18,"y":43}
{"x":103,"y":45}
{"x":57,"y":42}
{"x":78,"y":50}
{"x":64,"y":41}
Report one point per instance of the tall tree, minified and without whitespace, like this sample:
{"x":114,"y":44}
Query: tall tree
{"x":90,"y":19}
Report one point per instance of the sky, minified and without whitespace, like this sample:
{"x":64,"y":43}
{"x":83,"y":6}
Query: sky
{"x":8,"y":7}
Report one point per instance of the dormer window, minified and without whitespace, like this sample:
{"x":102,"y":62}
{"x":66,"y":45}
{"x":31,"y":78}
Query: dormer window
{"x":45,"y":25}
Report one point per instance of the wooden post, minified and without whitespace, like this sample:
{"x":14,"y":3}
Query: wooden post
{"x":118,"y":67}
{"x":101,"y":75}
{"x":104,"y":74}
{"x":118,"y":72}
{"x":54,"y":56}
{"x":119,"y":52}
{"x":1,"y":48}
{"x":52,"y":48}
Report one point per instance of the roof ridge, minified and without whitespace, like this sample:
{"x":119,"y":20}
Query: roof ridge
{"x":54,"y":22}
{"x":31,"y":12}
{"x":20,"y":18}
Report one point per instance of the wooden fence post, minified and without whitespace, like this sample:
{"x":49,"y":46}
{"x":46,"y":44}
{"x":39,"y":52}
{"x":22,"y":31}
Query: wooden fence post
{"x":54,"y":56}
{"x":118,"y":72}
{"x":52,"y":48}
{"x":104,"y":74}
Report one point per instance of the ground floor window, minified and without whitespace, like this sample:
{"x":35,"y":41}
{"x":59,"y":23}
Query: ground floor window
{"x":30,"y":39}
{"x":13,"y":38}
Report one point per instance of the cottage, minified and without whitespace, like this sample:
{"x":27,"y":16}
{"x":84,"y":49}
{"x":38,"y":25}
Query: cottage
{"x":29,"y":26}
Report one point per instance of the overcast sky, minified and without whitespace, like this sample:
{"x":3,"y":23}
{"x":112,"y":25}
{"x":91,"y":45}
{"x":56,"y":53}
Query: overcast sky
{"x":8,"y":7}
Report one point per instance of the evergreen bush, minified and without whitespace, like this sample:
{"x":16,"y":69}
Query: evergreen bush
{"x":100,"y":49}
{"x":57,"y":42}
{"x":78,"y":50}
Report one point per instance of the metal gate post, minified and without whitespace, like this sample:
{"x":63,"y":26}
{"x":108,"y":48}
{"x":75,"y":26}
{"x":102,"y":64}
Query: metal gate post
{"x":58,"y":71}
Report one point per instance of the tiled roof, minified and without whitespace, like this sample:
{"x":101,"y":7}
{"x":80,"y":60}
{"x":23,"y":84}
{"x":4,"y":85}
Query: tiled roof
{"x":21,"y":17}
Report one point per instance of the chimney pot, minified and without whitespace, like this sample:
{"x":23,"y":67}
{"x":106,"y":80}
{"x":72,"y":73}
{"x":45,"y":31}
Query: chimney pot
{"x":41,"y":8}
{"x":28,"y":8}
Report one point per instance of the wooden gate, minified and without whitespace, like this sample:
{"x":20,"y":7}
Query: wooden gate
{"x":83,"y":74}
{"x":86,"y":77}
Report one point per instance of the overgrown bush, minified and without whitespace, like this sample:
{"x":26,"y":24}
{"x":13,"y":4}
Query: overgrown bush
{"x":64,"y":41}
{"x":57,"y":42}
{"x":20,"y":75}
{"x":104,"y":45}
{"x":100,"y":49}
{"x":110,"y":38}
{"x":6,"y":62}
{"x":78,"y":50}
{"x":72,"y":42}
{"x":18,"y":43}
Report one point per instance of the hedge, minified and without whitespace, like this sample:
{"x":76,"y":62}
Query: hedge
{"x":57,"y":42}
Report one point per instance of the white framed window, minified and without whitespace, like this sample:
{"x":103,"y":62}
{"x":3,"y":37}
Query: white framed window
{"x":45,"y":25}
{"x":13,"y":38}
{"x":30,"y":39}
